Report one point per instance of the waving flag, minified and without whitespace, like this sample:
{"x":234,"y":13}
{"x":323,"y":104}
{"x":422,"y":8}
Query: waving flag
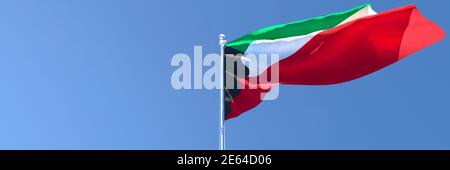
{"x":326,"y":50}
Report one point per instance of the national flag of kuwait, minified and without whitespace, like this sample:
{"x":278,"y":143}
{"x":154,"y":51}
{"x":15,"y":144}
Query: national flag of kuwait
{"x":326,"y":50}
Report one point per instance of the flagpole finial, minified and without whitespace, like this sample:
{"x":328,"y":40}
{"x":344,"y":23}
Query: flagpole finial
{"x":222,"y":40}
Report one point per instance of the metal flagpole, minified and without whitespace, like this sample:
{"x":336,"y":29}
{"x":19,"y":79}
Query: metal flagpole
{"x":222,"y":42}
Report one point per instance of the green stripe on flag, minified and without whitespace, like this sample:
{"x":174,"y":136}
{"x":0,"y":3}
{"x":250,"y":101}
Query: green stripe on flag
{"x":296,"y":28}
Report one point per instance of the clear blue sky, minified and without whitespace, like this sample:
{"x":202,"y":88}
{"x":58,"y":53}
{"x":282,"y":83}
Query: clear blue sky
{"x":96,"y":75}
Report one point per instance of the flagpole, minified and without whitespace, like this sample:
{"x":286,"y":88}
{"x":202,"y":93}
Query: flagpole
{"x":222,"y":42}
